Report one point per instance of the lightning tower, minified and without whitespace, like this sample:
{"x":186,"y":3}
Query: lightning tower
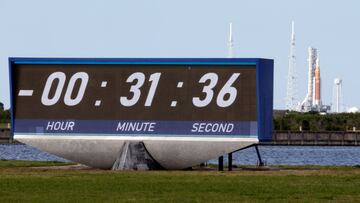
{"x":291,"y":90}
{"x":231,"y":43}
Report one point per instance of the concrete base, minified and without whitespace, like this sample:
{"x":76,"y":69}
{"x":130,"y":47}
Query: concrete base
{"x":184,"y":154}
{"x":134,"y":156}
{"x":102,"y":152}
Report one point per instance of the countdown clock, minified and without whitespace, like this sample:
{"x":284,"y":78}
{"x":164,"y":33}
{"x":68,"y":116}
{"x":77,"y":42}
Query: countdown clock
{"x":184,"y":111}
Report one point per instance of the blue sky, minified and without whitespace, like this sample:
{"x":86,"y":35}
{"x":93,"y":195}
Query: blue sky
{"x":160,"y":28}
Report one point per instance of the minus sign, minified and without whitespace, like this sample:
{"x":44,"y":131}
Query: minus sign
{"x":26,"y":93}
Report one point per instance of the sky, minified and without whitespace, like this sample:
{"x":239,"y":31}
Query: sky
{"x":190,"y":29}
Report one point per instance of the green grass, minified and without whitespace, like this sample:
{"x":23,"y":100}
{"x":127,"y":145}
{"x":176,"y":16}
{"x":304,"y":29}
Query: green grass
{"x":29,"y":184}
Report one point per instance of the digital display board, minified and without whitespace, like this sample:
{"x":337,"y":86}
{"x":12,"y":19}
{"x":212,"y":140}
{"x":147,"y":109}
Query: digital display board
{"x":160,"y":97}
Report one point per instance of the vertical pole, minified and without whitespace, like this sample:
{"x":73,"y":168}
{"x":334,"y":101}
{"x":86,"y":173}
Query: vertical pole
{"x":261,"y":163}
{"x":288,"y":139}
{"x":356,"y":141}
{"x":302,"y":137}
{"x":274,"y":137}
{"x":230,"y":161}
{"x":221,"y":163}
{"x":337,"y":98}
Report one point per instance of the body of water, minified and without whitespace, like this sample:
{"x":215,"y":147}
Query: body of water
{"x":271,"y":155}
{"x":299,"y":155}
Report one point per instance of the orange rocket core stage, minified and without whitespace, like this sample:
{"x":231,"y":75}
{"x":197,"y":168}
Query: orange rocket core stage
{"x":317,"y":84}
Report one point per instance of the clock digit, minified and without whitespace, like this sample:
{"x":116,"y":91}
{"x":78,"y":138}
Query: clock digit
{"x":227,"y":89}
{"x":84,"y":77}
{"x":135,"y":89}
{"x":154,"y":79}
{"x":45,"y":100}
{"x":208,"y":89}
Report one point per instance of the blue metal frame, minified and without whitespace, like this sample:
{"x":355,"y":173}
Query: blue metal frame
{"x":264,"y":78}
{"x":12,"y":127}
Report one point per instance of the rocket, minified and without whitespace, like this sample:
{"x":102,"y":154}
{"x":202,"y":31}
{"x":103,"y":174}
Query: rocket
{"x":312,"y":101}
{"x":317,"y":81}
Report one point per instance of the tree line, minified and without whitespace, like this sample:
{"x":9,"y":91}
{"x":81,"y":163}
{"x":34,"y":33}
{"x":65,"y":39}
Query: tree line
{"x":4,"y":116}
{"x":295,"y":121}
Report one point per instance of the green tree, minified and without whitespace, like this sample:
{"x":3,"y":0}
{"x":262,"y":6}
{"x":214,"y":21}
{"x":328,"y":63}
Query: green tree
{"x":4,"y":116}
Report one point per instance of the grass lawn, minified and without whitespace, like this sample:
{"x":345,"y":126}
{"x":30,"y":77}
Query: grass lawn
{"x":21,"y":183}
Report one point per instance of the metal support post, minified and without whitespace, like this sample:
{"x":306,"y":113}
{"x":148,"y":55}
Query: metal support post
{"x":261,"y":163}
{"x":230,"y":161}
{"x":221,"y":163}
